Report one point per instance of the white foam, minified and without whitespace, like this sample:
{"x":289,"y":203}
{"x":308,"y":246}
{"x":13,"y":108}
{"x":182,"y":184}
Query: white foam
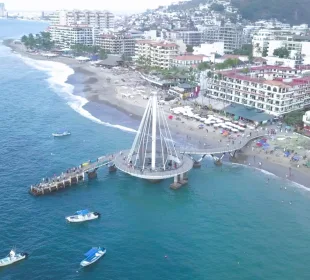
{"x":273,"y":175}
{"x":59,"y":74}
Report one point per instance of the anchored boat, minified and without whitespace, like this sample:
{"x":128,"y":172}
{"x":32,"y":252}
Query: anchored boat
{"x":82,"y":216}
{"x":12,"y":258}
{"x":93,"y":255}
{"x":61,"y":134}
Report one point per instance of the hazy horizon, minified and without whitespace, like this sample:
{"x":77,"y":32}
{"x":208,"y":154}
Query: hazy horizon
{"x":116,"y":6}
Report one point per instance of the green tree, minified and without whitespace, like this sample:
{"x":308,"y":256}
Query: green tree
{"x":46,"y":41}
{"x":189,"y":48}
{"x":281,"y":52}
{"x":126,"y":57}
{"x":246,"y":49}
{"x":293,"y":12}
{"x":31,"y":41}
{"x":294,"y":118}
{"x":203,"y":66}
{"x":264,"y":53}
{"x":41,"y":41}
{"x":103,"y":54}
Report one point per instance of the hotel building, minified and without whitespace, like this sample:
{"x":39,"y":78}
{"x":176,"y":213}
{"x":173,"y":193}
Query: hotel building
{"x":231,"y":35}
{"x":186,"y":61}
{"x":156,"y":53}
{"x":98,"y":19}
{"x":273,"y":89}
{"x":117,"y":43}
{"x":66,"y":36}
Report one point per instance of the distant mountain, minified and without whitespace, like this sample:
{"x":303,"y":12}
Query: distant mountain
{"x":290,"y":11}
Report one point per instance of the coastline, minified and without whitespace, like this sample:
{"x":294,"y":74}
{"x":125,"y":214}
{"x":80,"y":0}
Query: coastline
{"x":96,"y":88}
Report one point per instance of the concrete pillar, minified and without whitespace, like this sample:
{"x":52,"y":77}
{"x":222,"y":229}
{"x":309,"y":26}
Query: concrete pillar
{"x":181,"y":177}
{"x":175,"y":179}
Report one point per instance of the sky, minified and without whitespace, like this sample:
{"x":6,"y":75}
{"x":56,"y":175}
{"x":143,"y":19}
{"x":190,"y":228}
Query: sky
{"x":114,"y":5}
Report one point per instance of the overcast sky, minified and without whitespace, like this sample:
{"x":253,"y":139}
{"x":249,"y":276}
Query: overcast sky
{"x":113,"y":5}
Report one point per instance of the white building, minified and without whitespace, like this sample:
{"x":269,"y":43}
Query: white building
{"x":98,"y":19}
{"x":287,"y":62}
{"x":231,"y":35}
{"x":150,"y":35}
{"x":2,"y":10}
{"x":306,"y":121}
{"x":186,"y":61}
{"x":274,"y":89}
{"x":266,"y":40}
{"x":68,"y":35}
{"x":298,"y":46}
{"x":156,"y":53}
{"x":117,"y":43}
{"x":208,"y":49}
{"x":191,"y":38}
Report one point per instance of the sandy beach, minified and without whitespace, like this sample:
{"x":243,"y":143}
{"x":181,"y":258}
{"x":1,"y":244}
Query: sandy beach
{"x":125,"y":90}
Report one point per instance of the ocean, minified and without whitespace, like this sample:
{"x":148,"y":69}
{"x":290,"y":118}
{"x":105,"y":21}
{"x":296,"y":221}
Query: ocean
{"x":228,"y":223}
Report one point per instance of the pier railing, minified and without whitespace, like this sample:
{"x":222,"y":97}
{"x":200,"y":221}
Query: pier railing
{"x":238,"y":145}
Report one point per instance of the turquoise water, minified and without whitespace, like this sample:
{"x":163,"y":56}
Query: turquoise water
{"x":226,"y":224}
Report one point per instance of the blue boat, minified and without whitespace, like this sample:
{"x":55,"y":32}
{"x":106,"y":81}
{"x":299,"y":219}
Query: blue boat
{"x":93,"y":255}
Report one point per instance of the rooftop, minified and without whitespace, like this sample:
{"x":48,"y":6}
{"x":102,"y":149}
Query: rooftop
{"x":269,"y":69}
{"x":189,"y":57}
{"x":248,"y":113}
{"x":156,"y":43}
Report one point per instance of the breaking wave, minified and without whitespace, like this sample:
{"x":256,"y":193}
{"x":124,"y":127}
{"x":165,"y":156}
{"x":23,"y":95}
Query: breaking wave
{"x":58,"y":75}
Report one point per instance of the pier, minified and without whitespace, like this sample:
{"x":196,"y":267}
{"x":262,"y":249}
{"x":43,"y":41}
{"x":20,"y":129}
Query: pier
{"x":153,"y":156}
{"x":71,"y":177}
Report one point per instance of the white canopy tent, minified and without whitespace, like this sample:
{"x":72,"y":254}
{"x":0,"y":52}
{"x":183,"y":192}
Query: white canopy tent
{"x":82,"y":58}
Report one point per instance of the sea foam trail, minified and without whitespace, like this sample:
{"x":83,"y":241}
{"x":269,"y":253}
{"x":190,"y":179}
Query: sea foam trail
{"x":59,"y":74}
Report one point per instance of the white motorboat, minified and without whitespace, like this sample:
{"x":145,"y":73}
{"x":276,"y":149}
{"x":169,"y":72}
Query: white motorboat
{"x":12,"y":258}
{"x":61,"y":134}
{"x":93,"y":255}
{"x":83,"y":216}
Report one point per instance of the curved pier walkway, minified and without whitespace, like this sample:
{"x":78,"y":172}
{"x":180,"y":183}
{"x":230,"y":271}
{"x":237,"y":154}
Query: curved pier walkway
{"x":77,"y":174}
{"x":149,"y":174}
{"x":239,"y":143}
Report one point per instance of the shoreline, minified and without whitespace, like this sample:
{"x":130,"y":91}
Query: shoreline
{"x":97,"y":89}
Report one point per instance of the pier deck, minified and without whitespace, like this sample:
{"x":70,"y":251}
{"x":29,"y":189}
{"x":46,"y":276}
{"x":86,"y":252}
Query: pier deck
{"x":71,"y":177}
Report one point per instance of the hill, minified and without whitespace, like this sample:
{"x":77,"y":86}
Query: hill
{"x":290,"y":11}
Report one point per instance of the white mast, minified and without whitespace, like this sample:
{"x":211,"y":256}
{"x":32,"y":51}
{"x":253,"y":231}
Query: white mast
{"x":154,"y":123}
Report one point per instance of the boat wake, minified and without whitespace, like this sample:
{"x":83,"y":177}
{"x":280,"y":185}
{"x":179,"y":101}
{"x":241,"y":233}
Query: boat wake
{"x":58,"y":75}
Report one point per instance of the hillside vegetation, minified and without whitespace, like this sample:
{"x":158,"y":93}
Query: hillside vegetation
{"x":290,"y":11}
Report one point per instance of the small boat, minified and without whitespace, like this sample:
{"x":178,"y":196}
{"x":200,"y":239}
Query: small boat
{"x":61,"y":134}
{"x":93,"y":255}
{"x":12,"y":258}
{"x":82,"y":216}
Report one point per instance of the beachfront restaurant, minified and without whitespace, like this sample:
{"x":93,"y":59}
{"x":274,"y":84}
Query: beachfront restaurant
{"x":110,"y":62}
{"x":238,"y":111}
{"x":182,"y":91}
